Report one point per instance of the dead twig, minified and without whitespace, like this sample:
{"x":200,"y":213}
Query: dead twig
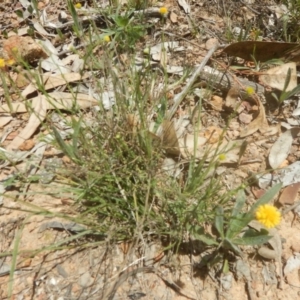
{"x":178,"y":98}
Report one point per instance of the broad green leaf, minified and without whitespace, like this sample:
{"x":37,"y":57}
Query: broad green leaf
{"x":229,"y":245}
{"x":239,"y":203}
{"x":236,"y":225}
{"x":207,"y":239}
{"x":219,"y":220}
{"x":291,"y":93}
{"x":121,"y":21}
{"x":225,"y":266}
{"x":267,"y":197}
{"x":211,"y":259}
{"x":201,"y":235}
{"x":253,"y":240}
{"x":252,"y":232}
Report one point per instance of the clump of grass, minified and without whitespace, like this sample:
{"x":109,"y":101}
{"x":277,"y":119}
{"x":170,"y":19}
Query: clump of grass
{"x":117,"y":172}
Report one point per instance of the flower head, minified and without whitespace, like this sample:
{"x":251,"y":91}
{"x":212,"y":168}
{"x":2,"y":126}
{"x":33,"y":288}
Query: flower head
{"x":10,"y":62}
{"x":163,"y":10}
{"x":78,"y":5}
{"x":222,"y":156}
{"x":249,"y":90}
{"x":2,"y":63}
{"x":268,"y":215}
{"x":106,"y":38}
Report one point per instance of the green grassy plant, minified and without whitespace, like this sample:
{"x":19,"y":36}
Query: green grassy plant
{"x":232,"y":231}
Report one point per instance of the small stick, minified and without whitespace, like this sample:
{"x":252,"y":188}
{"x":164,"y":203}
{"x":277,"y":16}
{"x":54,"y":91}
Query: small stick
{"x":178,"y":98}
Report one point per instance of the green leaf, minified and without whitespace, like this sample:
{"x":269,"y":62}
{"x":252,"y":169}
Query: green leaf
{"x":236,"y":225}
{"x":225,"y":266}
{"x":293,"y":92}
{"x":207,"y":239}
{"x":67,"y":149}
{"x":253,"y":240}
{"x":219,"y":221}
{"x":203,"y":236}
{"x":237,"y":221}
{"x":211,"y":259}
{"x":287,"y":79}
{"x":229,"y":245}
{"x":252,"y":232}
{"x":267,"y":197}
{"x":239,"y":203}
{"x":121,"y":21}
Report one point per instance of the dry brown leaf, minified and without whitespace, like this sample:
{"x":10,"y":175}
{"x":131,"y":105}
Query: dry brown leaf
{"x":17,"y":107}
{"x":187,"y":145}
{"x":257,"y":192}
{"x":38,"y":115}
{"x":260,"y":122}
{"x":61,"y":100}
{"x":289,"y":194}
{"x":173,"y":17}
{"x":22,"y":80}
{"x":276,"y":77}
{"x":169,"y":138}
{"x":158,"y":257}
{"x":5,"y":119}
{"x":40,"y":105}
{"x":58,"y":100}
{"x":281,"y":148}
{"x":262,"y":51}
{"x":125,"y":247}
{"x":51,"y":81}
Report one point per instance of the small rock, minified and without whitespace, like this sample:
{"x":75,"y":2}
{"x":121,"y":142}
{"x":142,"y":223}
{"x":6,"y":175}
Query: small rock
{"x":293,"y":278}
{"x":216,"y":103}
{"x":245,"y":118}
{"x":27,"y":145}
{"x":85,"y":280}
{"x":226,"y":281}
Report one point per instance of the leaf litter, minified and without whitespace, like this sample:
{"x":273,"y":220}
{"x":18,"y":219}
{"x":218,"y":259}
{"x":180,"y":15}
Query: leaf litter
{"x":59,"y":70}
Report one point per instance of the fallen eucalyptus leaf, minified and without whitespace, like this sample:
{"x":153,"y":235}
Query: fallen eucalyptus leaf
{"x":289,"y":194}
{"x":261,"y":51}
{"x":259,"y":123}
{"x":281,"y":148}
{"x":276,"y":77}
{"x":286,"y":176}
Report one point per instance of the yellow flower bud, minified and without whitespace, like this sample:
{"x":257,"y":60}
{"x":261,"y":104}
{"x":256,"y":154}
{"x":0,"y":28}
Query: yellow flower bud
{"x":163,"y":10}
{"x":106,"y":38}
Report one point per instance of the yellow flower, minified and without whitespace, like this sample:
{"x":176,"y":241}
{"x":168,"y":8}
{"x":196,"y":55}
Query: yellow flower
{"x":163,"y":10}
{"x":106,"y":38}
{"x":10,"y":62}
{"x":222,"y":156}
{"x":268,"y":215}
{"x":77,"y":5}
{"x":2,"y":63}
{"x":249,"y":90}
{"x":14,"y":50}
